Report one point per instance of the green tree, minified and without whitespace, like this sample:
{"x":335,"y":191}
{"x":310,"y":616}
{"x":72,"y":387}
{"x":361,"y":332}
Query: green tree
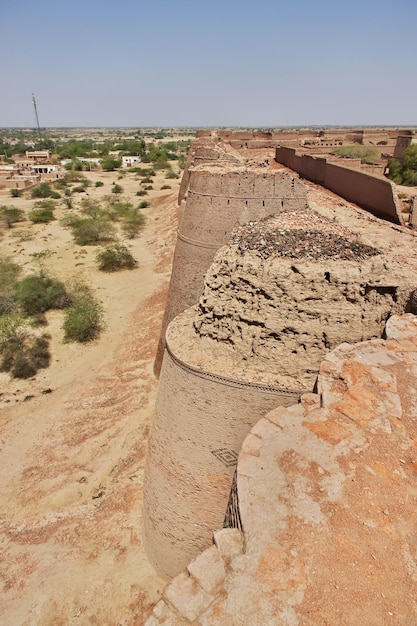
{"x":108,"y":164}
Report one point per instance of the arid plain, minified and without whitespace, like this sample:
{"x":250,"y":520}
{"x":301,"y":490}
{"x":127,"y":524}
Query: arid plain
{"x":73,"y":438}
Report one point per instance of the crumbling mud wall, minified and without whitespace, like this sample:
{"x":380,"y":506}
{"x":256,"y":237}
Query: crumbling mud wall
{"x":374,"y":194}
{"x":219,"y":198}
{"x":282,"y":293}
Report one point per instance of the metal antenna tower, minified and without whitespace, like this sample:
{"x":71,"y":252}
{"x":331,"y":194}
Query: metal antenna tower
{"x":36,"y":114}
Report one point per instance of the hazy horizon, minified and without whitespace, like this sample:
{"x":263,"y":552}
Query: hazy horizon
{"x":224,"y":64}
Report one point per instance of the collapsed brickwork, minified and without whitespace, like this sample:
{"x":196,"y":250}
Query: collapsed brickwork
{"x":327,"y":492}
{"x":289,"y":286}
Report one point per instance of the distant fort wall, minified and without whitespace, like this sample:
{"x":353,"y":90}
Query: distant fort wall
{"x":217,"y":201}
{"x":202,"y":420}
{"x":374,"y":194}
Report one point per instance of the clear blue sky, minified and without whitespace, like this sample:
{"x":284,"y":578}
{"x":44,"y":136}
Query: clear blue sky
{"x":208,"y":62}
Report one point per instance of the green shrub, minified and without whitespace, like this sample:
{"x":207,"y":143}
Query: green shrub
{"x":132,"y":223}
{"x":117,"y":188}
{"x":171,"y":175}
{"x":99,"y":183}
{"x":91,"y":231}
{"x":22,"y":354}
{"x":9,"y":215}
{"x":37,"y":293}
{"x":148,"y":188}
{"x":367,"y":154}
{"x":9,"y":271}
{"x":142,"y":192}
{"x":78,"y":189}
{"x":162,"y":164}
{"x":115,"y":258}
{"x":16,"y":193}
{"x":83,"y":319}
{"x":147,"y":179}
{"x":144,"y":204}
{"x":43,"y":190}
{"x":41,"y":215}
{"x":165,"y":187}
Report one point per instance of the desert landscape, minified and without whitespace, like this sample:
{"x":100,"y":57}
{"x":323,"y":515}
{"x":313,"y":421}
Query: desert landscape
{"x":73,"y":437}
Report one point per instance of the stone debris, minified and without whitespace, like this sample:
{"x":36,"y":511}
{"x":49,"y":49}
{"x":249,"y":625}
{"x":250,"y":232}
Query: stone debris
{"x":298,"y":234}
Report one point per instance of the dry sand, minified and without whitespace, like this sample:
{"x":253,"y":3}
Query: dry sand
{"x":73,"y":439}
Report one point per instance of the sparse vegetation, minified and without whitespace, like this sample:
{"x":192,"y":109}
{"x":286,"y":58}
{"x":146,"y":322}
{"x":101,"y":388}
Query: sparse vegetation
{"x":83,"y":319}
{"x":98,"y":183}
{"x":10,"y":215}
{"x":367,"y":154}
{"x":9,"y":272}
{"x":42,"y":212}
{"x":117,"y":189}
{"x":22,"y":353}
{"x":16,"y":193}
{"x":44,"y":190}
{"x":114,"y":258}
{"x":38,"y":293}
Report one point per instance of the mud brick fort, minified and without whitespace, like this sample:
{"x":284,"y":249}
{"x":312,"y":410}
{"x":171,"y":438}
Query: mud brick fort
{"x":281,"y":478}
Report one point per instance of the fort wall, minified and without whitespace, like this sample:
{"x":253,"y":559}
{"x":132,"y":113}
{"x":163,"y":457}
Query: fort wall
{"x":218,"y":199}
{"x":202,"y":420}
{"x":376,"y":195}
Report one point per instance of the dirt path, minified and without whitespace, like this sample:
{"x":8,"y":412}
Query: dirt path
{"x":72,"y":459}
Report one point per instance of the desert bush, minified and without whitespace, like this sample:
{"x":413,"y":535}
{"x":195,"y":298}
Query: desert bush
{"x":42,"y":214}
{"x":163,"y":164}
{"x":22,"y":234}
{"x":117,"y":188}
{"x":144,"y":204}
{"x":9,"y":272}
{"x":132,"y":223}
{"x":148,"y":188}
{"x":10,"y":215}
{"x":83,"y":319}
{"x":98,"y":183}
{"x":16,"y":193}
{"x":147,"y":179}
{"x":142,"y":192}
{"x":22,"y":353}
{"x":91,"y":231}
{"x":78,"y":189}
{"x":165,"y":187}
{"x":114,"y":258}
{"x":172,"y":175}
{"x":38,"y":293}
{"x":43,"y":190}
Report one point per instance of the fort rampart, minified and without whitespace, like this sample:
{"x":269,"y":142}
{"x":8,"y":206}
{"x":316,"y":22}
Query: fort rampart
{"x":218,"y":199}
{"x":202,"y":419}
{"x":374,"y":194}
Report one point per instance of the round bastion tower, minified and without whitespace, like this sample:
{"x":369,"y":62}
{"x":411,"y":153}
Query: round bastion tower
{"x":221,"y":194}
{"x":283,"y":292}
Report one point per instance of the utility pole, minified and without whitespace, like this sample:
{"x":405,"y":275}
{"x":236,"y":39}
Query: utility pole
{"x":36,"y":115}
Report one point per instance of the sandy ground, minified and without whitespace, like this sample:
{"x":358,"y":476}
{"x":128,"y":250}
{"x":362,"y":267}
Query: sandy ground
{"x":73,"y":439}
